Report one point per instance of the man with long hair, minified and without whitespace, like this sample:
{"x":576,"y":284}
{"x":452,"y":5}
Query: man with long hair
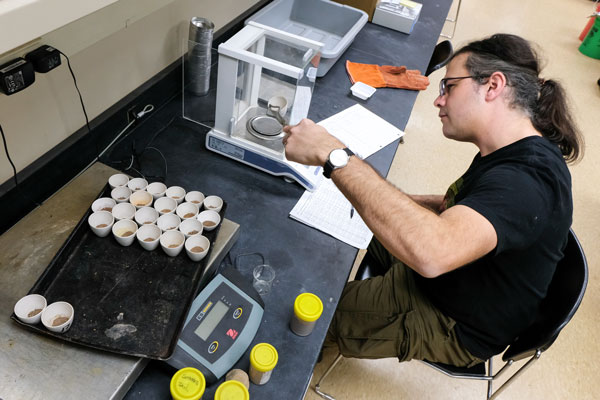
{"x":466,"y":271}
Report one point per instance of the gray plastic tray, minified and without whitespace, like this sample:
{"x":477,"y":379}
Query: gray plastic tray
{"x":335,"y":25}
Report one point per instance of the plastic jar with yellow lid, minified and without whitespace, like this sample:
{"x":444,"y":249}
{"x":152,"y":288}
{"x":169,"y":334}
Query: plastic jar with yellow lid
{"x":232,"y":390}
{"x":307,"y":310}
{"x":187,"y":384}
{"x":263,"y":359}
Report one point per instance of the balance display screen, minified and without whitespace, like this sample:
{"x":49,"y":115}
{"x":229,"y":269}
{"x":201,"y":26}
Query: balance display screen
{"x":211,"y":320}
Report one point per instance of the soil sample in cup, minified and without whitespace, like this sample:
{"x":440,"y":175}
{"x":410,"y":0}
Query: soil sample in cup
{"x":59,"y":320}
{"x":34,"y":312}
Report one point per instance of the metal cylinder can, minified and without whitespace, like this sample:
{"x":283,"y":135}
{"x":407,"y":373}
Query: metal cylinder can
{"x":199,"y":55}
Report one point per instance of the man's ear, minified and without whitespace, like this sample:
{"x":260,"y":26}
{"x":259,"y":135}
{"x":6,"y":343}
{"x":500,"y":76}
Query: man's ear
{"x":496,"y":85}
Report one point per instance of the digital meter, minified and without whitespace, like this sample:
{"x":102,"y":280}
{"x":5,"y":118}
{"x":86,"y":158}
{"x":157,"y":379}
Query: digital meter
{"x":221,"y":324}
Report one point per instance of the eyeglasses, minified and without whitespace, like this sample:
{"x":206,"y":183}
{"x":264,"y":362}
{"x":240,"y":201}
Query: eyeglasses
{"x":444,"y":87}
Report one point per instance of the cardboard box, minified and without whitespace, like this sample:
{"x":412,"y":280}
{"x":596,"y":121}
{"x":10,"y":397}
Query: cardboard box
{"x":400,"y":15}
{"x":367,"y":6}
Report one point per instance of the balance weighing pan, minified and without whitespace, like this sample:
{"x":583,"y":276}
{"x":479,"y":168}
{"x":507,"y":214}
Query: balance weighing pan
{"x":127,"y":300}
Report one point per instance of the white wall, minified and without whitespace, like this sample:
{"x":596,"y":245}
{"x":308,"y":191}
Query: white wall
{"x":41,"y":116}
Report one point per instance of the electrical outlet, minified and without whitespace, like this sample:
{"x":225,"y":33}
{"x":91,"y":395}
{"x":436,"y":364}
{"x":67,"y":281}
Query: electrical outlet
{"x":131,"y":114}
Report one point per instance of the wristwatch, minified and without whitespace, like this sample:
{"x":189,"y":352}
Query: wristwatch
{"x":338,"y":158}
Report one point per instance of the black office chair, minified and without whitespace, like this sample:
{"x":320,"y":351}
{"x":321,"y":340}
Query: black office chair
{"x":441,"y":55}
{"x":564,"y":296}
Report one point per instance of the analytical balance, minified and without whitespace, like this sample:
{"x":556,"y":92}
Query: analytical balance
{"x":265,"y":81}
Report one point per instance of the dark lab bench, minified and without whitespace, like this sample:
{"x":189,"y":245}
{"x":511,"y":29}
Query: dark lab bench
{"x":305,"y":259}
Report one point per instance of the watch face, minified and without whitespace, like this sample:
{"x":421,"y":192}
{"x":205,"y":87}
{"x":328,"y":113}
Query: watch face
{"x":339,"y":158}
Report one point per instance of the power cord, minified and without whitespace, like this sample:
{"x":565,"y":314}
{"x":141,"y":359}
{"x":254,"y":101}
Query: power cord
{"x":87,"y":121}
{"x":15,"y":170}
{"x":148,"y":147}
{"x":147,"y":109}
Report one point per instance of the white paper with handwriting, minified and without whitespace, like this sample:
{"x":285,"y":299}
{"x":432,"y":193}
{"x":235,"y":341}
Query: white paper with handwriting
{"x":326,"y":208}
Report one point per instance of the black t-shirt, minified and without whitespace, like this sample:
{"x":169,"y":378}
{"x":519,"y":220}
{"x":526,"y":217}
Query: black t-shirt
{"x":524,"y":191}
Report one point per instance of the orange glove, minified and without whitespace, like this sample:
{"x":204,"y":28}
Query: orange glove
{"x":365,"y":73}
{"x":402,"y":78}
{"x":386,"y":76}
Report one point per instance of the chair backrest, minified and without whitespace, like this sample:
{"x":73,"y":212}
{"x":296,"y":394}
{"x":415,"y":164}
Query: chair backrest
{"x":441,"y":55}
{"x":562,"y":300}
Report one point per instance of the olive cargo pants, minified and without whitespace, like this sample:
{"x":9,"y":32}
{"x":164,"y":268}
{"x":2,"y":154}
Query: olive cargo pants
{"x":388,"y":316}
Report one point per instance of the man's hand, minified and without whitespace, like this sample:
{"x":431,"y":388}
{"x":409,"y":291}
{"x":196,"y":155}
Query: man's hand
{"x":308,"y":143}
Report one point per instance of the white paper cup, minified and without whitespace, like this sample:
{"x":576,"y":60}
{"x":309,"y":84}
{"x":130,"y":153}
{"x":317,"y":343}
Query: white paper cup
{"x":146,"y":216}
{"x":210,"y":219}
{"x":177,"y":193}
{"x":172,"y":242}
{"x":136,"y":184}
{"x":214,"y":203}
{"x":124,"y":231}
{"x":195,"y":197}
{"x":156,"y":189}
{"x":123,"y":211}
{"x":191,"y":227}
{"x":168,"y":222}
{"x":117,"y":180}
{"x":165,"y":205}
{"x":140,"y":199}
{"x":277,"y":104}
{"x":120,"y":194}
{"x":148,"y":236}
{"x":101,"y":223}
{"x":58,"y":316}
{"x":197,"y":247}
{"x":103,"y":204}
{"x":29,"y":308}
{"x":187,"y":210}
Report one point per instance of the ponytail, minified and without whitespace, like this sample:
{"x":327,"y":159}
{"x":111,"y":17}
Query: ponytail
{"x":552,"y":118}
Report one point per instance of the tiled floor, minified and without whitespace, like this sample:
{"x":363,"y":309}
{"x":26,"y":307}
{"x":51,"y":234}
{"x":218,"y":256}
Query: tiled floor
{"x":428,"y":163}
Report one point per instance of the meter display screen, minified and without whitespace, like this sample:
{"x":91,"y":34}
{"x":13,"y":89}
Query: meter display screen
{"x":211,"y":320}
